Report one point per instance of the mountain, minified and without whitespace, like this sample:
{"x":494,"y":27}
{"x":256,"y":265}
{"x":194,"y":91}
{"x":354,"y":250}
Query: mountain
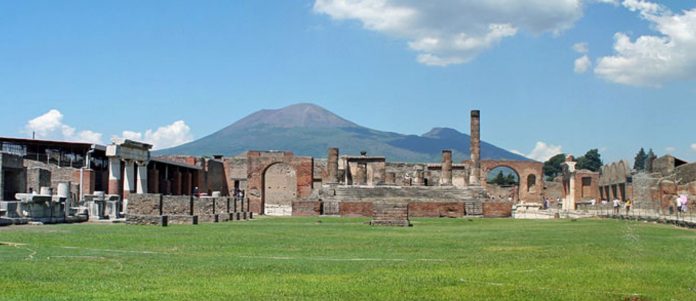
{"x":309,"y":130}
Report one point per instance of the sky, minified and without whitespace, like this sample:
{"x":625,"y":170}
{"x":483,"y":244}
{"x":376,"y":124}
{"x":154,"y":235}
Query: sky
{"x":548,"y":76}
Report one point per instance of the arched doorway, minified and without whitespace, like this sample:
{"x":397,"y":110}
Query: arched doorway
{"x":502,"y":183}
{"x":279,"y":189}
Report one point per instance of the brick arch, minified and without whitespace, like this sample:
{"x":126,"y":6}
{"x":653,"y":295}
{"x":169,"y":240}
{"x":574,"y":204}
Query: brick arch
{"x":523,"y":169}
{"x":258,"y":163}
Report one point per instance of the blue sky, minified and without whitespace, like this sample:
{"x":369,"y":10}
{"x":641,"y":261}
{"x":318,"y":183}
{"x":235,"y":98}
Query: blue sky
{"x":171,"y":71}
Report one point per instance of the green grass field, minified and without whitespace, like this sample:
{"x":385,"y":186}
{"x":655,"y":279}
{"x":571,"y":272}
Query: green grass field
{"x":335,"y":258}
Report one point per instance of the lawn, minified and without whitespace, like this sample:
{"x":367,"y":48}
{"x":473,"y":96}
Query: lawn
{"x":339,"y":258}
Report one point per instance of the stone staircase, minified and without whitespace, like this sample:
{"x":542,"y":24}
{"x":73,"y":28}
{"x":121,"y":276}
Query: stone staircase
{"x":390,"y":214}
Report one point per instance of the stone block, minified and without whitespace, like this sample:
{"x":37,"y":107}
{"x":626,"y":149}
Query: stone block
{"x":306,"y":208}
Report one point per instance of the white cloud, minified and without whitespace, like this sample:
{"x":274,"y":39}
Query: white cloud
{"x":582,"y":64}
{"x":166,"y":136}
{"x":449,"y":32}
{"x":670,"y":149}
{"x":693,"y":147}
{"x":652,"y":60}
{"x":581,"y":48}
{"x":542,"y":151}
{"x":50,"y":126}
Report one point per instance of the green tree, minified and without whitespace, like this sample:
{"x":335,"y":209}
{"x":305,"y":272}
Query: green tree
{"x":591,"y":161}
{"x":639,"y":163}
{"x":552,"y":167}
{"x":649,"y":158}
{"x":499,"y":179}
{"x":510,"y":179}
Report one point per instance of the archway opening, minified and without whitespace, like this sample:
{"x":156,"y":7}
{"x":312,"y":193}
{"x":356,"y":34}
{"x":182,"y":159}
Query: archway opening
{"x":279,"y":189}
{"x":503,"y":183}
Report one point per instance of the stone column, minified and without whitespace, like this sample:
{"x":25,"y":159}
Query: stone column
{"x":475,"y":148}
{"x":153,"y":180}
{"x":128,"y":178}
{"x":142,"y":177}
{"x":332,"y":166}
{"x":188,"y":183}
{"x":176,"y":185}
{"x":114,"y":175}
{"x":446,"y":174}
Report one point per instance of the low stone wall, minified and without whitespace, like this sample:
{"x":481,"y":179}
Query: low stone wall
{"x":423,"y":209}
{"x":203,"y":206}
{"x":306,"y":208}
{"x":222,"y":205}
{"x":149,"y":209}
{"x":176,"y":205}
{"x":497,"y":209}
{"x":355,"y":209}
{"x":145,"y":204}
{"x":133,"y":219}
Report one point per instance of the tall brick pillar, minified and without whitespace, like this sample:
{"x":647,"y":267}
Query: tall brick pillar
{"x":332,"y":166}
{"x":114,"y":175}
{"x":189,"y":183}
{"x":475,"y":148}
{"x":446,"y":174}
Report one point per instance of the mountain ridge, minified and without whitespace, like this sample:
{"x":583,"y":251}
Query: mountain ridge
{"x":309,"y":130}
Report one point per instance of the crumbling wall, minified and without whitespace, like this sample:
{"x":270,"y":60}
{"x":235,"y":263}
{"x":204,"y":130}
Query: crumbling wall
{"x":497,"y":209}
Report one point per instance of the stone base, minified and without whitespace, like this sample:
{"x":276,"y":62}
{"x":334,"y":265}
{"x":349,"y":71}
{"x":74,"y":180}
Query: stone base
{"x":143,"y":219}
{"x":183,"y":220}
{"x":278,"y":210}
{"x":394,"y":223}
{"x":208,"y":218}
{"x":5,"y":221}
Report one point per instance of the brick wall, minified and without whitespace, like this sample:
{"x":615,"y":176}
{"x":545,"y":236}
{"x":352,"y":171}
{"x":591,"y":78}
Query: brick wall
{"x":428,"y":209}
{"x":497,"y":209}
{"x":355,"y":209}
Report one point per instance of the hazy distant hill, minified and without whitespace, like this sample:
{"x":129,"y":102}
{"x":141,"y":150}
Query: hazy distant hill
{"x":308,"y":130}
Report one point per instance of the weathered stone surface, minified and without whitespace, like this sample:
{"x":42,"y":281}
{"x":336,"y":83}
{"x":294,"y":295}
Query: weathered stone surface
{"x":306,"y":208}
{"x":222,"y":205}
{"x":203,"y":206}
{"x":668,"y":187}
{"x":183,"y":220}
{"x":133,"y":219}
{"x":208,"y":218}
{"x":144,"y":204}
{"x":176,"y":205}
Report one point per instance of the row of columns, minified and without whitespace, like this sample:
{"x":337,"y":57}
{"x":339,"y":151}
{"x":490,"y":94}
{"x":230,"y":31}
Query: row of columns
{"x":615,"y":191}
{"x":131,"y":173}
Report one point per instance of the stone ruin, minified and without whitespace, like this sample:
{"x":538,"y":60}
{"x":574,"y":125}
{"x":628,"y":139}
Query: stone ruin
{"x":119,"y":182}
